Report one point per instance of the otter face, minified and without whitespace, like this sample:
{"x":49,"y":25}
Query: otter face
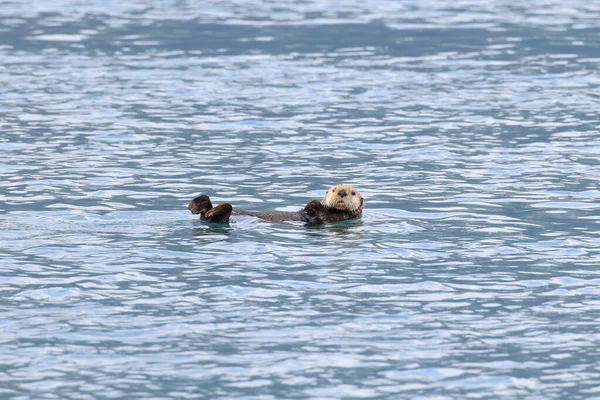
{"x":345,"y":198}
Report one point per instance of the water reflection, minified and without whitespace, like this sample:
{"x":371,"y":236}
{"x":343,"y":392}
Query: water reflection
{"x":210,"y":229}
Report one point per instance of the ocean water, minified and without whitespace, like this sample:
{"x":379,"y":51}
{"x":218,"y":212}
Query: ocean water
{"x":471,"y":129}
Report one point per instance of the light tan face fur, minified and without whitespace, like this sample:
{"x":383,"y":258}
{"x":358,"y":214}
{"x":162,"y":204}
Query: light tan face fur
{"x":343,"y":197}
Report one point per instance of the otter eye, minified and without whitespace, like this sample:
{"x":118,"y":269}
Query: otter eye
{"x":353,"y":193}
{"x":333,"y":190}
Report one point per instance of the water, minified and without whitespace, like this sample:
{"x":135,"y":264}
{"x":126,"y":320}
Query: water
{"x":471,"y":129}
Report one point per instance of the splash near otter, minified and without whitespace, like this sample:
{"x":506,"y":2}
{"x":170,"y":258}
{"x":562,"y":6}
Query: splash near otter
{"x":341,"y":202}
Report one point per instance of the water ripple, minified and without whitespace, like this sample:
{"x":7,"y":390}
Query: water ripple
{"x":470,"y":130}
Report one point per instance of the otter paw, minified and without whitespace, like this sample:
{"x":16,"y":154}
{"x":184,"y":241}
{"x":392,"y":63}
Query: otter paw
{"x":219,"y":214}
{"x":200,"y":205}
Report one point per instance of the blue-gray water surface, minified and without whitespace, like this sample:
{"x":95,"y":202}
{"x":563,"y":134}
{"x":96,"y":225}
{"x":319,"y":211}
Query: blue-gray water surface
{"x":471,"y":129}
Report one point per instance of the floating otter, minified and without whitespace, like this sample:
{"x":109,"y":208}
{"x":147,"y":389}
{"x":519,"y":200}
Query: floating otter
{"x":341,"y":202}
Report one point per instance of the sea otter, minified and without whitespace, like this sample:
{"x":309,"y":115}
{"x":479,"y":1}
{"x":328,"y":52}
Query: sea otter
{"x":341,"y":202}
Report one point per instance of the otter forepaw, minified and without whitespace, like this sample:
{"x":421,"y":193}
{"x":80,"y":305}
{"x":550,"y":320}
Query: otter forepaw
{"x":311,"y":213}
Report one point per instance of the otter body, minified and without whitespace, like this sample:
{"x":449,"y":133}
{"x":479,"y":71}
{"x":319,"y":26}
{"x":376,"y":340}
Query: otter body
{"x":341,"y":202}
{"x":273,"y":216}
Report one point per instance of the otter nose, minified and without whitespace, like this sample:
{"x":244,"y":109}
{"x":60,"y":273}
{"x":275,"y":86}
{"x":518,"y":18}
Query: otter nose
{"x":342,"y":193}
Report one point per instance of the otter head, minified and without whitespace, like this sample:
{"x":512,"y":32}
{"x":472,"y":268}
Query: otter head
{"x":344,"y":198}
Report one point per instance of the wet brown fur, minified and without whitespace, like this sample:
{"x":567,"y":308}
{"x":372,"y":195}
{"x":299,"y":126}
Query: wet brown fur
{"x":341,"y":202}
